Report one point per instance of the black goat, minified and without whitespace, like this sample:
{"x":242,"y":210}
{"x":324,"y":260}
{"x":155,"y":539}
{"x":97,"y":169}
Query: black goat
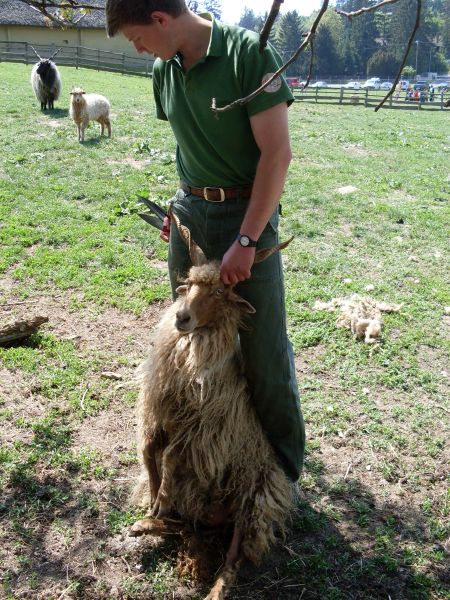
{"x":46,"y":81}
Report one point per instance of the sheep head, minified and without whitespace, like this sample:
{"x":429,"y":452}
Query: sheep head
{"x":204,"y":301}
{"x":77,"y":95}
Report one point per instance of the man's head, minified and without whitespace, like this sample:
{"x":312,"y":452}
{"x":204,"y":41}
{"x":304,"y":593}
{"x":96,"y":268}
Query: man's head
{"x":138,"y":12}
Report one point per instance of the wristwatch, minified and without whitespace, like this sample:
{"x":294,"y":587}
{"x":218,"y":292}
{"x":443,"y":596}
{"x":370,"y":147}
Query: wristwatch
{"x":245,"y":241}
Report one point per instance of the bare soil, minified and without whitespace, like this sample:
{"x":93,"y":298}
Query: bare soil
{"x":73,"y":553}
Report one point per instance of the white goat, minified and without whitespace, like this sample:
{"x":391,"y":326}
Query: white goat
{"x":89,"y":107}
{"x":205,"y":454}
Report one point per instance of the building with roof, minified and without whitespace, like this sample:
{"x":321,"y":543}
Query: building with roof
{"x":21,"y":23}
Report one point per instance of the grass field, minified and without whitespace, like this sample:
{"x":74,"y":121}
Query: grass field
{"x":374,"y":511}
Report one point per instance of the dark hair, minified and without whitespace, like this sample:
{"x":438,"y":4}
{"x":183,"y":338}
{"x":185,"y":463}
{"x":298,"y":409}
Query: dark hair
{"x":138,"y":12}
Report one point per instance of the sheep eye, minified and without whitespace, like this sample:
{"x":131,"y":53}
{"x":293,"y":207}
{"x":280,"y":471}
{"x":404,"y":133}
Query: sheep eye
{"x":219,"y":292}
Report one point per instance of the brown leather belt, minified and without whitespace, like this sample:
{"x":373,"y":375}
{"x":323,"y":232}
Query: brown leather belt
{"x":218,"y":194}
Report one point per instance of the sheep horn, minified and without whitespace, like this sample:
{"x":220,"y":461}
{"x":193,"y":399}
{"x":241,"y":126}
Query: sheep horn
{"x":39,"y":57}
{"x":195,"y":252}
{"x":54,"y":54}
{"x":266,"y":252}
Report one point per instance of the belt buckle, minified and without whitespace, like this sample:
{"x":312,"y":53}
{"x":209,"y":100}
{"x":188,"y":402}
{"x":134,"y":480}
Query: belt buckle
{"x":221,"y":190}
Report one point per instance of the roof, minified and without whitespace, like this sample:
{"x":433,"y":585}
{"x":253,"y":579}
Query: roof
{"x":15,"y":12}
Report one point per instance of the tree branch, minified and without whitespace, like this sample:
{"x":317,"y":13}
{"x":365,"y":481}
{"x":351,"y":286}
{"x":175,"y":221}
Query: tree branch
{"x":399,"y":73}
{"x":265,"y":31}
{"x":365,"y":9}
{"x":310,"y":35}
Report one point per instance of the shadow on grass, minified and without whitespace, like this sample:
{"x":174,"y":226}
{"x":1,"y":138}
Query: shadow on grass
{"x":357,"y":553}
{"x":56,"y":113}
{"x":365,"y":550}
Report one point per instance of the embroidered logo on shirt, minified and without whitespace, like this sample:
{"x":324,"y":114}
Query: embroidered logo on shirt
{"x":272,"y":87}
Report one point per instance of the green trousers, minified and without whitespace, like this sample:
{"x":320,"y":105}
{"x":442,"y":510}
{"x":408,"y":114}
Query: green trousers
{"x":266,"y":350}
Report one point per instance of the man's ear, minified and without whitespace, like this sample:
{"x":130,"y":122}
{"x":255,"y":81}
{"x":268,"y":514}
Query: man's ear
{"x":157,"y":16}
{"x":246,"y":306}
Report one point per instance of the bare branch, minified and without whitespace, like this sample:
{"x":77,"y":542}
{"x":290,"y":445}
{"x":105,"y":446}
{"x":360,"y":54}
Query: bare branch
{"x":365,"y":9}
{"x":265,"y":31}
{"x":43,"y":5}
{"x":416,"y":27}
{"x":311,"y":45}
{"x":310,"y":35}
{"x":44,"y":8}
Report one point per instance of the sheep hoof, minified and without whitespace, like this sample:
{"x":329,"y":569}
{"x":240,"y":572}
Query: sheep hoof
{"x":145,"y":526}
{"x":139,"y":528}
{"x":149,"y":526}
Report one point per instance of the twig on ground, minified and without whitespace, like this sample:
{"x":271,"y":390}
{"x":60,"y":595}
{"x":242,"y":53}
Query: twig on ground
{"x":18,"y":303}
{"x":83,"y":397}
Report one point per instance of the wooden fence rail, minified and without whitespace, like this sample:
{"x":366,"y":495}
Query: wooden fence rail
{"x":77,"y":56}
{"x":341,"y":95}
{"x":119,"y":62}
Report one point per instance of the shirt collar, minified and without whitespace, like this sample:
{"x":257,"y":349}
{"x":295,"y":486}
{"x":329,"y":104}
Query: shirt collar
{"x":215,"y":41}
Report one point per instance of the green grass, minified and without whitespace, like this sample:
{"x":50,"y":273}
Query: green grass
{"x":374,"y":514}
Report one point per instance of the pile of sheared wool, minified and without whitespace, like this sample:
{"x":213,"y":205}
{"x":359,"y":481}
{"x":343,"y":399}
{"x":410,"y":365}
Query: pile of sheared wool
{"x":362,"y":315}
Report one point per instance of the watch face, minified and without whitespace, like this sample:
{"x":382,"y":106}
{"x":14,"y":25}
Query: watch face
{"x":245,"y":240}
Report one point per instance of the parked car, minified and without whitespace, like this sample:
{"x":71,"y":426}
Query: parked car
{"x":385,"y":85}
{"x":293,"y":82}
{"x":319,"y":84}
{"x":372,"y":84}
{"x":352,"y":85}
{"x":420,"y":86}
{"x":443,"y":86}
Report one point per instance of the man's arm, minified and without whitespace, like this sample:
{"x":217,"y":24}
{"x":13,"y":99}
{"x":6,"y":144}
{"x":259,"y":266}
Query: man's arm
{"x":270,"y":129}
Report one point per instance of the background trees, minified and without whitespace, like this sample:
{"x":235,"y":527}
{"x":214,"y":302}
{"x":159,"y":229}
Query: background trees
{"x":371,"y":44}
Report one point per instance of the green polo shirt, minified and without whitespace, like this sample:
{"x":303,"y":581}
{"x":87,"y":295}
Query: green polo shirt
{"x":218,"y":149}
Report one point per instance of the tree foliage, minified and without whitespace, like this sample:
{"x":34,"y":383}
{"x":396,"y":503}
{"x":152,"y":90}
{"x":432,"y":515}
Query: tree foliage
{"x":374,"y":42}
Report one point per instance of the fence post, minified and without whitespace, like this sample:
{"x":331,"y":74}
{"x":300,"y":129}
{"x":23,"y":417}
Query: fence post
{"x":77,"y":61}
{"x":98,"y":59}
{"x":26,"y":53}
{"x":317,"y":92}
{"x":366,"y":97}
{"x":123,"y":63}
{"x":341,"y":95}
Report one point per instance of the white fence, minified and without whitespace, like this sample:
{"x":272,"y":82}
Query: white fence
{"x":340,"y":95}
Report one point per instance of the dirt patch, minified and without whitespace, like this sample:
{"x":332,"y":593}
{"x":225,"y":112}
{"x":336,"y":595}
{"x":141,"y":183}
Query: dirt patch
{"x":78,"y":546}
{"x":357,"y":151}
{"x":109,"y":330}
{"x":131,"y":162}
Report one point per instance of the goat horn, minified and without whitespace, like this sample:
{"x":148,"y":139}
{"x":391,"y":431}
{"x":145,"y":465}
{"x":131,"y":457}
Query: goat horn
{"x":54,"y":54}
{"x":39,"y":57}
{"x":266,"y":252}
{"x":195,"y":252}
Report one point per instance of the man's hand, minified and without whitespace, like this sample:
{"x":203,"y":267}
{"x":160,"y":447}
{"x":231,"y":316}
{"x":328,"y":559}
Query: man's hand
{"x":165,"y":231}
{"x":236,"y":264}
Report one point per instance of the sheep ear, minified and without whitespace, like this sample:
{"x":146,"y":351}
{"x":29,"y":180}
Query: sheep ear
{"x":181,"y":290}
{"x":266,"y":252}
{"x":245,"y":306}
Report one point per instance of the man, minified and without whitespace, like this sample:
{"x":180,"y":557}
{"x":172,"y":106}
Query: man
{"x":232,"y":168}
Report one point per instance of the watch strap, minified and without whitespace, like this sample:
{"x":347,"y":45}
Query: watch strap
{"x":246,"y":241}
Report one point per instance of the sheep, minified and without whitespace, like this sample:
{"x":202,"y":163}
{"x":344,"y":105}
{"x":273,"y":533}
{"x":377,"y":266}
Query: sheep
{"x":202,"y":448}
{"x":89,"y":107}
{"x":46,"y":81}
